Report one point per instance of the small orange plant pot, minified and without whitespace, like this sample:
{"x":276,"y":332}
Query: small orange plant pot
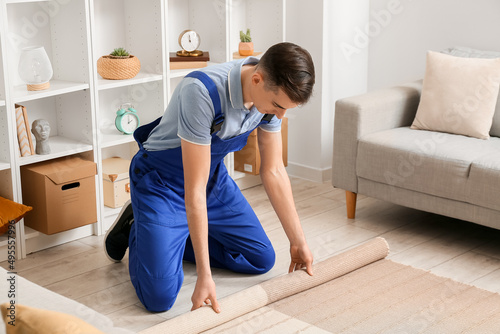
{"x":245,"y":48}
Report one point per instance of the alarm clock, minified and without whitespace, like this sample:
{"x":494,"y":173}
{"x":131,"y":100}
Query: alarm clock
{"x":189,"y":41}
{"x":127,"y":120}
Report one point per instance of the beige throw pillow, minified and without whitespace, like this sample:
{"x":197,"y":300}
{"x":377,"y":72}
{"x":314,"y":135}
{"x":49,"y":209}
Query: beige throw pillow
{"x":458,"y":95}
{"x":29,"y":320}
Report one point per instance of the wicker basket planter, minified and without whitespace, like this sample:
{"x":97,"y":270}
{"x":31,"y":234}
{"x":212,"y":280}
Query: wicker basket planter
{"x":118,"y":68}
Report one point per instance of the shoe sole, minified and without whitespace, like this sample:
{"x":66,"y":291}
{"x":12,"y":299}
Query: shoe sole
{"x":127,"y":203}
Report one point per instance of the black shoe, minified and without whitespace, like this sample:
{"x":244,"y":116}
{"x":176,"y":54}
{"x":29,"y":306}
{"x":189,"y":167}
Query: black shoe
{"x":116,"y":239}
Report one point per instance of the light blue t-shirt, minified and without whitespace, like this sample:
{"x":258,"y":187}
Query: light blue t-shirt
{"x":190,"y":112}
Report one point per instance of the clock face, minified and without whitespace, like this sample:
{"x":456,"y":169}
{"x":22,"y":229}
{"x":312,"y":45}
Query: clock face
{"x":189,"y":40}
{"x":129,"y":122}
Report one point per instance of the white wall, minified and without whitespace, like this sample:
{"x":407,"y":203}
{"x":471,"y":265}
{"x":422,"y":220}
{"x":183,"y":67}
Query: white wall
{"x":323,"y":27}
{"x":305,"y":28}
{"x":369,"y":45}
{"x":345,"y":72}
{"x":397,"y":51}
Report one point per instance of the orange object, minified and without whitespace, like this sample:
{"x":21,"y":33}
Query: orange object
{"x":245,"y":48}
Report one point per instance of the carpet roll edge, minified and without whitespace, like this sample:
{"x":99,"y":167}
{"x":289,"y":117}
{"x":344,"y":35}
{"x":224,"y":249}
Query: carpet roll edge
{"x":277,"y":288}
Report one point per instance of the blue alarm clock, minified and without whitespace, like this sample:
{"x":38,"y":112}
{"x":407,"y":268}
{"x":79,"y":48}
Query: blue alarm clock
{"x":127,"y":120}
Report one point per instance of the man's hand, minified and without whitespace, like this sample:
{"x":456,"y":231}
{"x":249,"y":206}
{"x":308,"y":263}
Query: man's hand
{"x":204,"y":293}
{"x":301,"y":257}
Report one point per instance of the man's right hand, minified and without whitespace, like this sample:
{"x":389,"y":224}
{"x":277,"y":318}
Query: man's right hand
{"x":204,"y":293}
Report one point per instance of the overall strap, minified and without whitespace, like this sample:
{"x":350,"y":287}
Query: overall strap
{"x":214,"y":95}
{"x":267,"y":118}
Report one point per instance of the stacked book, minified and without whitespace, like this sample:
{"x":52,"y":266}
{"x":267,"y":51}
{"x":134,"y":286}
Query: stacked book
{"x":178,"y":62}
{"x":26,"y":147}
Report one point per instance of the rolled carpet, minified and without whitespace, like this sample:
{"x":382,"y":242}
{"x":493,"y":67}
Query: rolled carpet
{"x":251,"y":299}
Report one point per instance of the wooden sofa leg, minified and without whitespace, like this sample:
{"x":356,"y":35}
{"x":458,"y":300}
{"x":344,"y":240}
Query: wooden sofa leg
{"x":351,"y":204}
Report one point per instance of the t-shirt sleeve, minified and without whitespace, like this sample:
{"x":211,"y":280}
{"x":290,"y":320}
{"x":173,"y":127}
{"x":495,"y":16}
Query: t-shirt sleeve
{"x":196,"y":113}
{"x":273,"y":126}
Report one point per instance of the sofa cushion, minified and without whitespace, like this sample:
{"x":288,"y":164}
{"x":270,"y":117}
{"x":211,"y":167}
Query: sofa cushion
{"x":483,"y":186}
{"x":438,"y":164}
{"x":34,"y":295}
{"x":11,"y":211}
{"x":22,"y":319}
{"x":465,"y":52}
{"x":459,"y":95}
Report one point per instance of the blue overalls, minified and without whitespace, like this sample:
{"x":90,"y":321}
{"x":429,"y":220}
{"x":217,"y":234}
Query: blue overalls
{"x":159,"y":238}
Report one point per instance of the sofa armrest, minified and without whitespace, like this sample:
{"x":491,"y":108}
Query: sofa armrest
{"x":363,"y":114}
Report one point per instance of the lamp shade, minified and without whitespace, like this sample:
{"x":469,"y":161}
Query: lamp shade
{"x":35,"y":68}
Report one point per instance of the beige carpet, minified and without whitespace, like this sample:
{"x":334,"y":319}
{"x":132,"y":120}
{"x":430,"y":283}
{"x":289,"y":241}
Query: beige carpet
{"x":357,"y":291}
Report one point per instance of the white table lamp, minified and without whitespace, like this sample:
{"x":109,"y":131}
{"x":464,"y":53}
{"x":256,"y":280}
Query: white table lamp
{"x":35,"y":68}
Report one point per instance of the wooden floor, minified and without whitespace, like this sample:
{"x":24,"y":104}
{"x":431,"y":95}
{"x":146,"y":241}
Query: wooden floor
{"x":460,"y":250}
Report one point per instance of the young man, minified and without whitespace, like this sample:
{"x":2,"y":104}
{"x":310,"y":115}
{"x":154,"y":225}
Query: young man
{"x":184,"y":205}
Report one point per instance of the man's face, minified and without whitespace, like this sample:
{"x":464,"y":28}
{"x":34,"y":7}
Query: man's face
{"x":269,"y":101}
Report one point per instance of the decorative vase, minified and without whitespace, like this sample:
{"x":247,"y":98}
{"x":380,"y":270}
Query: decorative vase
{"x":35,"y":68}
{"x":118,"y":68}
{"x":245,"y":48}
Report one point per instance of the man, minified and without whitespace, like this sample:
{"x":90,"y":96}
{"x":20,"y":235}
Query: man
{"x":184,"y":205}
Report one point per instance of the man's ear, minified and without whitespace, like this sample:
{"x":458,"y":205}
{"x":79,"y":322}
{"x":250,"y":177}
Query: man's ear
{"x":257,"y":77}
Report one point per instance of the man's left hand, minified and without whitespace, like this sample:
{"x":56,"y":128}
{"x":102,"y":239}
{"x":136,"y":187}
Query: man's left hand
{"x":301,"y":258}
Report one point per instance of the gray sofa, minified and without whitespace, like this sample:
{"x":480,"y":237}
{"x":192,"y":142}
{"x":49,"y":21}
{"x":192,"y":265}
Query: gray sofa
{"x":375,"y":153}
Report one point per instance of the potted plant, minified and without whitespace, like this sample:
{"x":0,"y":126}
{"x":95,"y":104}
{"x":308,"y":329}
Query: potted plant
{"x":118,"y":65}
{"x":245,"y":47}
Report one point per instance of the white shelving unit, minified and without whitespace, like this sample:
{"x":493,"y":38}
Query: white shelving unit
{"x":80,"y":105}
{"x":4,"y":141}
{"x":57,"y":87}
{"x":63,"y":29}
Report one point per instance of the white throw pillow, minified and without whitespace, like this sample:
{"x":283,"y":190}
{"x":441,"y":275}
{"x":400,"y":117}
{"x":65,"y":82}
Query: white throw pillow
{"x":462,"y":51}
{"x":459,"y":95}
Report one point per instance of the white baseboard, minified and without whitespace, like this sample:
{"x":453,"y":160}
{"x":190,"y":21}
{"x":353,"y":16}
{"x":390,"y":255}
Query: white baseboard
{"x":309,"y":173}
{"x":44,"y":241}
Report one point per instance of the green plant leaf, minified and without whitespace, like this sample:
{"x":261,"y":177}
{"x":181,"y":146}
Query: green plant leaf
{"x":120,"y":52}
{"x":245,"y":38}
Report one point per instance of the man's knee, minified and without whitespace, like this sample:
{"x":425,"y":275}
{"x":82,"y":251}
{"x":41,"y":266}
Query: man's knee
{"x":263,"y":260}
{"x":268,"y":259}
{"x":158,"y":294}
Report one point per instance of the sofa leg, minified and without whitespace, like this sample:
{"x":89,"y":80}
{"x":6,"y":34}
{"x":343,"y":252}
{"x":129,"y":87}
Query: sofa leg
{"x":351,"y":204}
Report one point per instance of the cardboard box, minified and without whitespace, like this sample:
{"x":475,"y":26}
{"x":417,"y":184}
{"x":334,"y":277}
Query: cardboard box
{"x":248,"y":159}
{"x":116,"y":185}
{"x":61,"y":192}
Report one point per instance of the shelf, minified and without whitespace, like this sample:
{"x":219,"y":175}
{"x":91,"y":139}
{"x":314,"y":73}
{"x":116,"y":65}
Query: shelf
{"x":184,"y":72}
{"x":140,"y":78}
{"x":115,"y":139}
{"x":3,"y":239}
{"x":4,"y":165}
{"x":60,"y":147}
{"x":108,"y":212}
{"x":23,"y":1}
{"x":57,"y":87}
{"x":236,"y":55}
{"x":238,"y":175}
{"x":30,"y":233}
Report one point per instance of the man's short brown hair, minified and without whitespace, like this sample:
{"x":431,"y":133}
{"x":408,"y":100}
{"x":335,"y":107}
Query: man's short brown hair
{"x":291,"y":68}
